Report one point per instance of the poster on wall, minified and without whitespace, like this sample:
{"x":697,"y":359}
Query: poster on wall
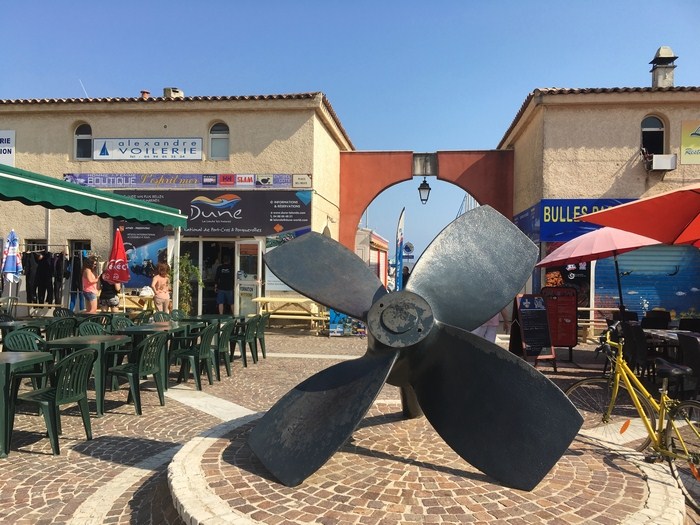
{"x":145,"y":247}
{"x":272,"y":282}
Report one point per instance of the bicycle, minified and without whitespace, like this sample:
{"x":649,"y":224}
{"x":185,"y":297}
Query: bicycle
{"x":619,"y":409}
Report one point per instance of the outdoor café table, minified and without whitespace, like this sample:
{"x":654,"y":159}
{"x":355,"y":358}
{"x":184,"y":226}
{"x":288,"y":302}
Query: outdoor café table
{"x":140,"y":331}
{"x":667,"y":339}
{"x":9,"y":363}
{"x":102,"y":343}
{"x":9,"y":326}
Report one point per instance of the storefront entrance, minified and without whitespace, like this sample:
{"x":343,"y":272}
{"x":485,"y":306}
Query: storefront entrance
{"x":246,"y":257}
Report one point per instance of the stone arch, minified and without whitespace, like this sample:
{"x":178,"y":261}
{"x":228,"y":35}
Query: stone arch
{"x":486,"y":175}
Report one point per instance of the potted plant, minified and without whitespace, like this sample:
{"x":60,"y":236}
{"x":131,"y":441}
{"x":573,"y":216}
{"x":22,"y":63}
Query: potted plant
{"x":189,"y":273}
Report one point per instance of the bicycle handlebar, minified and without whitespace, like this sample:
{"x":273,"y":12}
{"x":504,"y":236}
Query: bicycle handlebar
{"x":607,"y":342}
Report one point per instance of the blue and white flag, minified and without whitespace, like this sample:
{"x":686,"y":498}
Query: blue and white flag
{"x":398,"y":275}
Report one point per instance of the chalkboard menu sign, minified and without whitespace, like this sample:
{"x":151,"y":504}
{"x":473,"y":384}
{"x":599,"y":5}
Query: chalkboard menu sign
{"x":529,"y":336}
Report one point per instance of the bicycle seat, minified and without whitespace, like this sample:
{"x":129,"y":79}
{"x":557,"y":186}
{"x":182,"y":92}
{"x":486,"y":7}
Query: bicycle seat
{"x":664,"y":369}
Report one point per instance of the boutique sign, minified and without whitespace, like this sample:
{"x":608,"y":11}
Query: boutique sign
{"x":167,"y":148}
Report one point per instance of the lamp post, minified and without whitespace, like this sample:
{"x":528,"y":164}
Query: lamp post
{"x":424,"y":191}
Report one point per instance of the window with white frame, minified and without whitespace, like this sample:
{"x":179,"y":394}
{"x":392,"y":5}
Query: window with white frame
{"x":83,"y":142}
{"x":218,"y":141}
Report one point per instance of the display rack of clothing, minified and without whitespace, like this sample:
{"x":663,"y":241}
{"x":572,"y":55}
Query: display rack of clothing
{"x":44,"y":271}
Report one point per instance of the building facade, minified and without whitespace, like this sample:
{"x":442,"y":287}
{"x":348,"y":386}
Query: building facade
{"x":249,"y":171}
{"x":579,"y":150}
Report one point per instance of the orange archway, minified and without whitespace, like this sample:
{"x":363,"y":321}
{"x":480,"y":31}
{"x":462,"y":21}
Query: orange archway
{"x":486,"y":175}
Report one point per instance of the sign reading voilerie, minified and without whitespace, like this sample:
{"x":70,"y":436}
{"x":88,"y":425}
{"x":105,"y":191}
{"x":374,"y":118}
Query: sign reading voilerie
{"x":166,"y":148}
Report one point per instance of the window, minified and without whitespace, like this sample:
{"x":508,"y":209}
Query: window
{"x":653,"y":136}
{"x":218,"y":141}
{"x":35,"y":245}
{"x":83,"y":142}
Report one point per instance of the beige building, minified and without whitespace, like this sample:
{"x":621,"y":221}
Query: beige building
{"x":576,"y":150}
{"x":243,"y":168}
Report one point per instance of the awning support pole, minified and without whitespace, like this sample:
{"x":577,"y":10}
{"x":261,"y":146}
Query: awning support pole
{"x":176,"y":270}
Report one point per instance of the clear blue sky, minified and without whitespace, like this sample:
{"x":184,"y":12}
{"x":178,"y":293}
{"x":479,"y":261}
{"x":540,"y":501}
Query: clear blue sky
{"x":401,"y":75}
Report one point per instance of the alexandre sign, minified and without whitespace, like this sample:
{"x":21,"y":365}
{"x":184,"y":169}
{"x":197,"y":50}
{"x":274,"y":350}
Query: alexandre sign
{"x":166,"y":148}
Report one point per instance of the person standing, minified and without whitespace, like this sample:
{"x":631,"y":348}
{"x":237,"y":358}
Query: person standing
{"x":109,"y":295}
{"x":161,"y":287}
{"x":489,"y":329}
{"x":90,"y":280}
{"x":223,"y":285}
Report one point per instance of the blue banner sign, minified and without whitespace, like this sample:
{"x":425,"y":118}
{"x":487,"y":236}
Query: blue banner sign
{"x":555,"y":220}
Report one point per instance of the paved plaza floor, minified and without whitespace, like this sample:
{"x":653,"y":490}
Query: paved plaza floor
{"x":188,"y":462}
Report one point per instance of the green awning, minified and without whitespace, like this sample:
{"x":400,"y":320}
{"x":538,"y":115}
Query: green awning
{"x":35,"y":189}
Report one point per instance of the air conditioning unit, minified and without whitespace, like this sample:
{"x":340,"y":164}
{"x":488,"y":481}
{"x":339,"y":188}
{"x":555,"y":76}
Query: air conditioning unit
{"x":171,"y":92}
{"x":663,"y":162}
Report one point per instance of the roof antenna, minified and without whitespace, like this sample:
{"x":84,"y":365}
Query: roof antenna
{"x":84,"y":90}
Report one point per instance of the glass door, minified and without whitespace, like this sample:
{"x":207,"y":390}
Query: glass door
{"x":248,"y":268}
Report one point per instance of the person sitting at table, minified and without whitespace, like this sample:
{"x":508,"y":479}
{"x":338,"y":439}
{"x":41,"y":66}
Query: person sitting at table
{"x":109,"y":294}
{"x":90,"y":280}
{"x":161,"y":287}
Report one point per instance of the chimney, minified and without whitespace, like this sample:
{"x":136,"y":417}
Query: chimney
{"x":662,"y":68}
{"x":173,"y":92}
{"x":145,"y":95}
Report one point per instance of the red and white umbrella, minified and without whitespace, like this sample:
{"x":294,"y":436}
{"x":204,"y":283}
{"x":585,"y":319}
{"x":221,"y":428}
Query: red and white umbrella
{"x":117,"y":270}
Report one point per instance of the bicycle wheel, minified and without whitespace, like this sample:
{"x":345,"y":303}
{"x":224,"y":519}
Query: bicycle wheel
{"x":624,"y":426}
{"x":683,"y":438}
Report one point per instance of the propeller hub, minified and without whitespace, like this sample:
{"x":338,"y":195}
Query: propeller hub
{"x":400,"y":319}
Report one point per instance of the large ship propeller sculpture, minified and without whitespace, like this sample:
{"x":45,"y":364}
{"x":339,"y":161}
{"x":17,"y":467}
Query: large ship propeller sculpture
{"x":491,"y":407}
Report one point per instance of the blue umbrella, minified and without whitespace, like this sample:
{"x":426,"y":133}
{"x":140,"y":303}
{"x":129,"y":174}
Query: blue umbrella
{"x":12,"y":262}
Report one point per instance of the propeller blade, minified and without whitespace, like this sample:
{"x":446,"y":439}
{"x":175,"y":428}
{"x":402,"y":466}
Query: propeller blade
{"x":473,"y":268}
{"x":324,"y":270}
{"x":491,"y":407}
{"x":313,"y":420}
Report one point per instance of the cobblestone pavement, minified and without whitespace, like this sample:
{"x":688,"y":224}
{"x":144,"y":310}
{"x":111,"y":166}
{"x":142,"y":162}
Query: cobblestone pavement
{"x":392,"y":471}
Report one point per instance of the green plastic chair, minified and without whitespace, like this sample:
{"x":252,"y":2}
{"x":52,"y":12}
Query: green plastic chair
{"x":160,"y":317}
{"x":245,"y":335}
{"x":260,"y":333}
{"x":177,"y":315}
{"x":149,"y":353}
{"x":61,"y":327}
{"x":68,"y":382}
{"x":27,"y":341}
{"x":62,"y":312}
{"x":143,"y":317}
{"x":105,"y":321}
{"x":120,"y":321}
{"x":223,"y":347}
{"x":24,"y":341}
{"x":199,"y":357}
{"x":90,"y":328}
